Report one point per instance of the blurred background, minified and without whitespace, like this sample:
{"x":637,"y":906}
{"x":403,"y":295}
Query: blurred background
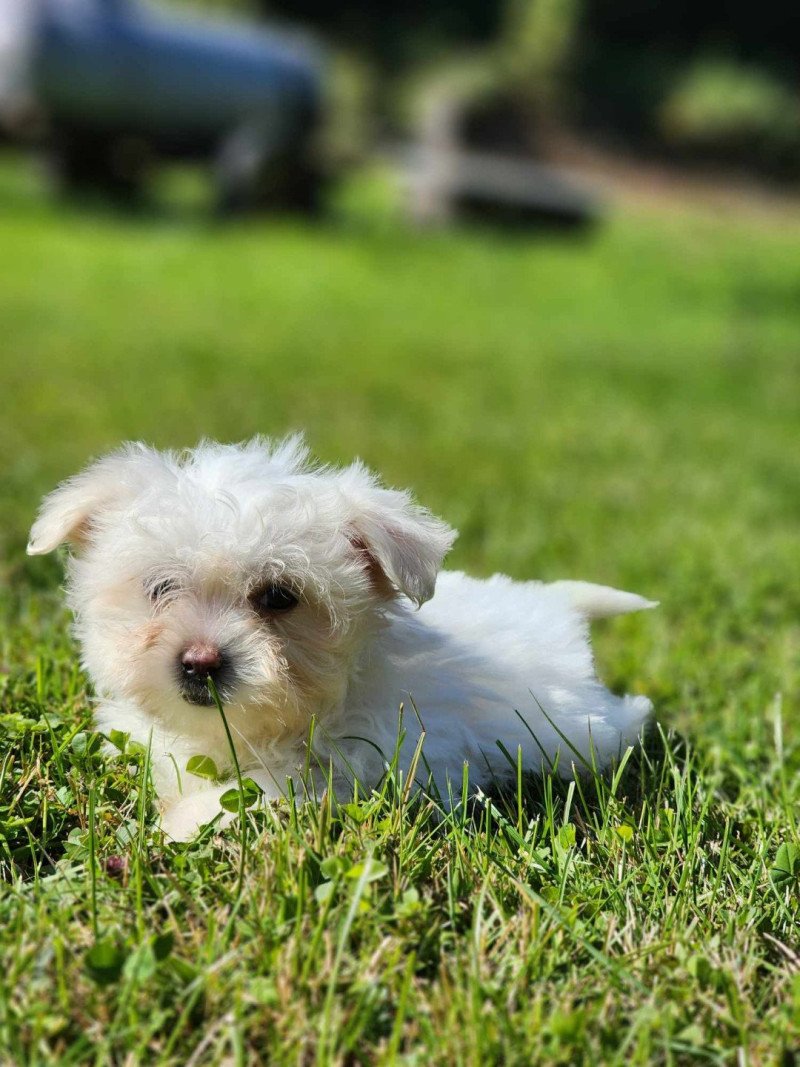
{"x":538,"y":260}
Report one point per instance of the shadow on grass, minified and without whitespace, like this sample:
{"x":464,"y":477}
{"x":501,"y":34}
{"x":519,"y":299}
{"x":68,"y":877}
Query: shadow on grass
{"x":648,"y":774}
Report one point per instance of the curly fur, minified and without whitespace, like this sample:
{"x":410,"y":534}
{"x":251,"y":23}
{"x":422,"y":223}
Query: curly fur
{"x":482,"y":661}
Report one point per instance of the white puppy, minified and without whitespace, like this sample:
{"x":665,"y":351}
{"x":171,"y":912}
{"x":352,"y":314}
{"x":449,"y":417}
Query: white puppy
{"x":296,"y":589}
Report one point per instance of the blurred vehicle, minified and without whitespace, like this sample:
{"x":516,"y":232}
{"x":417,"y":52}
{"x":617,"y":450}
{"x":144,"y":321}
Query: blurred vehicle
{"x":112,"y":85}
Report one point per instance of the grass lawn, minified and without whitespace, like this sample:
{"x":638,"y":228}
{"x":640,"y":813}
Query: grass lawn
{"x":624,"y":409}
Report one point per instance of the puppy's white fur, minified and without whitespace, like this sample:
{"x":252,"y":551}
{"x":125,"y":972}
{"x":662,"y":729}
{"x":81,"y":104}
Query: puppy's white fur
{"x":168,"y":551}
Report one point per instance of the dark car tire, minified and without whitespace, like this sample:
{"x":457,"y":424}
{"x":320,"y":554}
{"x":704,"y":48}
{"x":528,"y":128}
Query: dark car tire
{"x":112,"y":165}
{"x":251,"y":175}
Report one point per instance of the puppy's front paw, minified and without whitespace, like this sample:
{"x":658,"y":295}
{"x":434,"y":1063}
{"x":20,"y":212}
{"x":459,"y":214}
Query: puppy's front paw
{"x":183,"y":819}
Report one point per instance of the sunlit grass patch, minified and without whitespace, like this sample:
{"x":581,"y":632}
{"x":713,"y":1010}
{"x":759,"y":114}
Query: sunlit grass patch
{"x":624,"y":410}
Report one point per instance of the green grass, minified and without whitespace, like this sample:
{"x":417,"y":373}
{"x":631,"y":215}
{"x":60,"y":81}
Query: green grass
{"x":623,"y":409}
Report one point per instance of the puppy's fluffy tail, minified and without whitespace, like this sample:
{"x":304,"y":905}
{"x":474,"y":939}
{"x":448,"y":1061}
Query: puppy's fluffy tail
{"x":601,"y":601}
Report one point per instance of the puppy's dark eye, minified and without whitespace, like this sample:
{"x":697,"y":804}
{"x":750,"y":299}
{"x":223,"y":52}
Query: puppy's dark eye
{"x":273,"y":598}
{"x":160,"y":590}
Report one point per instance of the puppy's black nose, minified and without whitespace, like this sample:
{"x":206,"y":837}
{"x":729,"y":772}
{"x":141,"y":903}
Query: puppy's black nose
{"x":196,"y":665}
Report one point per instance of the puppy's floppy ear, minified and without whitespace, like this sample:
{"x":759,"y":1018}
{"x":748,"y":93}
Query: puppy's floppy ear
{"x":66,"y":514}
{"x":402,"y":540}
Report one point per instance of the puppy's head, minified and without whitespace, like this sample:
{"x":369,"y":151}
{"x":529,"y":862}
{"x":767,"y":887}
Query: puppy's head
{"x":240,"y":563}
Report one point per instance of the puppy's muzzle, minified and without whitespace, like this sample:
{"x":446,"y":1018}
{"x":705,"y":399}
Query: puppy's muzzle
{"x":196,"y":665}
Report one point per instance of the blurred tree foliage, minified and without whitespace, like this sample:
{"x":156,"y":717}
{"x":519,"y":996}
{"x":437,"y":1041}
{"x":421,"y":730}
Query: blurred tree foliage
{"x":727,"y":111}
{"x":611,"y":35}
{"x":629,"y":54}
{"x":767,"y":33}
{"x":706,"y":75}
{"x":623,"y":53}
{"x":537,"y":43}
{"x":395,"y":34}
